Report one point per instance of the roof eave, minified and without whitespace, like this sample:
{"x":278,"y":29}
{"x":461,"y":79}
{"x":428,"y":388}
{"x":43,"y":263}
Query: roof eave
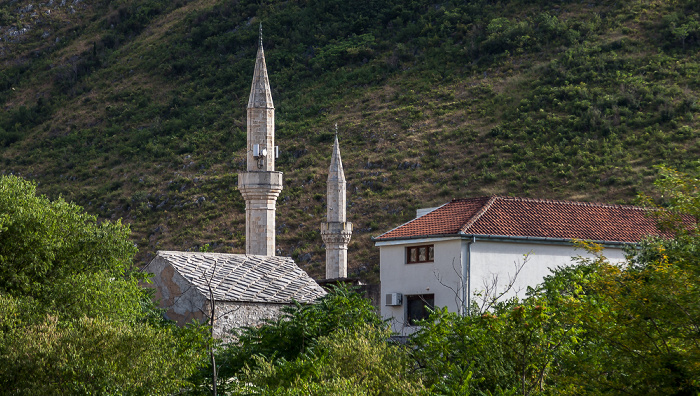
{"x":289,"y":302}
{"x":544,"y":240}
{"x":510,"y":238}
{"x":380,"y":239}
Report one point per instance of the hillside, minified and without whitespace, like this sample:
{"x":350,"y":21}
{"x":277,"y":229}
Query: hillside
{"x":135,"y":109}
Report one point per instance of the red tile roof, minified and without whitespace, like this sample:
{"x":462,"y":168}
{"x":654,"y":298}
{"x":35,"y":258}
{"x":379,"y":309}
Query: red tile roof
{"x":523,"y":217}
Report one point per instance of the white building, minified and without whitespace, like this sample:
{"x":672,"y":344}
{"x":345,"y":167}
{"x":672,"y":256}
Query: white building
{"x":448,"y":256}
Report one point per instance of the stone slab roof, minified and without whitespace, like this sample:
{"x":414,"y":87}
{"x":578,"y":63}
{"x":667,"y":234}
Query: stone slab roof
{"x":245,"y":278}
{"x":523,"y":217}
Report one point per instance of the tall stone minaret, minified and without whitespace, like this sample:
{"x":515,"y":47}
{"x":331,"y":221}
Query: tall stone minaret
{"x":260,"y":185}
{"x":336,"y":232}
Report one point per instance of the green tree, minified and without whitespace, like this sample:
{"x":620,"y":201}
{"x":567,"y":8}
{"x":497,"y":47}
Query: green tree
{"x":73,"y":318}
{"x":353,"y":361}
{"x":295,"y":333}
{"x":43,"y":243}
{"x":638,"y":323}
{"x":511,"y":349}
{"x":679,"y":197}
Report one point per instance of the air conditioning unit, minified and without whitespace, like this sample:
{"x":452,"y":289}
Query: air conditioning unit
{"x":393,"y":299}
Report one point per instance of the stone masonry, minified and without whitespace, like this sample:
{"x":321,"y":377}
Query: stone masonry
{"x":175,"y":293}
{"x":260,"y":185}
{"x":231,"y":316}
{"x":336,"y":231}
{"x":245,"y":289}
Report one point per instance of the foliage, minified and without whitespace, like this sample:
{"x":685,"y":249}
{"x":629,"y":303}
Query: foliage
{"x":637,"y":324}
{"x":294,"y":333}
{"x":592,"y":328}
{"x":352,"y":361}
{"x":679,"y":197}
{"x":683,"y":26}
{"x":55,"y":253}
{"x":512,"y":349}
{"x":73,"y":318}
{"x":94,"y":355}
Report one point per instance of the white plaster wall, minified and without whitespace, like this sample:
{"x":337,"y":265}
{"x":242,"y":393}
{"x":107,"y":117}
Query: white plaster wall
{"x":234,"y":315}
{"x":489,"y":261}
{"x":438,"y":278}
{"x":500,"y":260}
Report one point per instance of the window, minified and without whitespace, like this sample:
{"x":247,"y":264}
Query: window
{"x":420,"y":254}
{"x":417,"y":307}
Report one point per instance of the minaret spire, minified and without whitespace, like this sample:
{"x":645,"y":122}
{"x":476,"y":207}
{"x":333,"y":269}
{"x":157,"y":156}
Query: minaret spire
{"x":260,"y":93}
{"x":261,"y":184}
{"x":336,"y":231}
{"x":336,"y":186}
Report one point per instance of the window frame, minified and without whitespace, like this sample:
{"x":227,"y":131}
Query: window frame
{"x":428,"y":301}
{"x":428,"y":249}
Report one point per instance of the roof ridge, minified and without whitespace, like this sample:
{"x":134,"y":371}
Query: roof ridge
{"x":573,"y":203}
{"x":412,"y":220}
{"x":220,"y":254}
{"x":480,"y":213}
{"x":472,"y":198}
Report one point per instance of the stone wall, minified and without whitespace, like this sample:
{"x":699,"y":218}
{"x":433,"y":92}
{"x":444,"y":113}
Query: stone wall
{"x":234,"y":315}
{"x":182,"y":301}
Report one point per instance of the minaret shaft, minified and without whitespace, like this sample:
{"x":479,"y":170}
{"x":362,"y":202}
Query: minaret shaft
{"x":260,"y":185}
{"x":261,"y":131}
{"x":336,"y":231}
{"x":261,"y":119}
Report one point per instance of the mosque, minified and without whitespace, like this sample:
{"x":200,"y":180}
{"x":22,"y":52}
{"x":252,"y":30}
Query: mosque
{"x":234,"y":290}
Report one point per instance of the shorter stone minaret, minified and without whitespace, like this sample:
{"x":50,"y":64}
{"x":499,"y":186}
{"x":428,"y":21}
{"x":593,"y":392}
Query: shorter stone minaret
{"x":336,"y":232}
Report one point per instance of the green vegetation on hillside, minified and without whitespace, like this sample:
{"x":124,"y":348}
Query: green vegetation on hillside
{"x":136,"y":108}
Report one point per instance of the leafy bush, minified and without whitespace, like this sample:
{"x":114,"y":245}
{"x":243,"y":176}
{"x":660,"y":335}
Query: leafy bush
{"x":354,"y":361}
{"x":73,"y":318}
{"x":294,"y":334}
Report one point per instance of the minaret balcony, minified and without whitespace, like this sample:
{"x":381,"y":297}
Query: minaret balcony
{"x":336,"y":232}
{"x":260,"y":185}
